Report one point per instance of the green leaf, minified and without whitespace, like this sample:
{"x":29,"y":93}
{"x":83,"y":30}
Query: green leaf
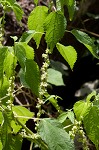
{"x":70,"y":115}
{"x":20,"y":54}
{"x":22,"y":78}
{"x":37,"y":37}
{"x":36,"y":20}
{"x":36,"y":2}
{"x":53,"y":100}
{"x":9,"y":64}
{"x":1,"y":146}
{"x":3,"y":51}
{"x":22,"y":111}
{"x":54,"y":136}
{"x":23,"y":52}
{"x":90,"y":96}
{"x":11,"y":2}
{"x":54,"y":25}
{"x":27,"y":36}
{"x":68,"y":53}
{"x":1,"y":117}
{"x":63,"y":116}
{"x":4,"y":90}
{"x":37,"y":17}
{"x":55,"y":77}
{"x":18,"y":11}
{"x":80,"y":108}
{"x":32,"y":76}
{"x":91,"y":124}
{"x":14,"y":142}
{"x":28,"y":50}
{"x":70,"y":5}
{"x":87,"y":41}
{"x":6,"y":128}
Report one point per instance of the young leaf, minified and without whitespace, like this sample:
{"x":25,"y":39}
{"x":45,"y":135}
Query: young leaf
{"x":22,"y":111}
{"x":32,"y":76}
{"x":69,"y":54}
{"x":55,"y":77}
{"x":91,"y":124}
{"x":3,"y":51}
{"x":87,"y":41}
{"x":54,"y":25}
{"x":36,"y":20}
{"x":80,"y":108}
{"x":54,"y":136}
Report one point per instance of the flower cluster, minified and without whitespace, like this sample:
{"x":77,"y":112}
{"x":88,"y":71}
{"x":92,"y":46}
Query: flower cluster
{"x":43,"y":85}
{"x":78,"y":130}
{"x":10,"y":91}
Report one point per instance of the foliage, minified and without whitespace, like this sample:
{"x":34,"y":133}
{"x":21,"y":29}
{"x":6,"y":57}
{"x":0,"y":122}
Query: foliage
{"x":51,"y":133}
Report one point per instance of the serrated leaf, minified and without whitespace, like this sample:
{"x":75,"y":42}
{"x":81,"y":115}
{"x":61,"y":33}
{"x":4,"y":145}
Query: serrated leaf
{"x":87,"y":41}
{"x":68,"y":53}
{"x":55,"y":77}
{"x":22,"y":111}
{"x":80,"y":108}
{"x":9,"y":64}
{"x":54,"y":25}
{"x":23,"y":52}
{"x":36,"y":20}
{"x":32,"y":76}
{"x":20,"y":54}
{"x":18,"y":11}
{"x":54,"y":136}
{"x":91,"y":124}
{"x":3,"y":51}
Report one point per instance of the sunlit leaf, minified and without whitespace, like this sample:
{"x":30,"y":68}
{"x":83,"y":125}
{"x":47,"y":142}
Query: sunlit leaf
{"x":54,"y":25}
{"x":83,"y":38}
{"x":68,"y":53}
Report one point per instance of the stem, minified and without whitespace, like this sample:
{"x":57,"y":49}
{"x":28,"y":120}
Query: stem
{"x":27,"y":129}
